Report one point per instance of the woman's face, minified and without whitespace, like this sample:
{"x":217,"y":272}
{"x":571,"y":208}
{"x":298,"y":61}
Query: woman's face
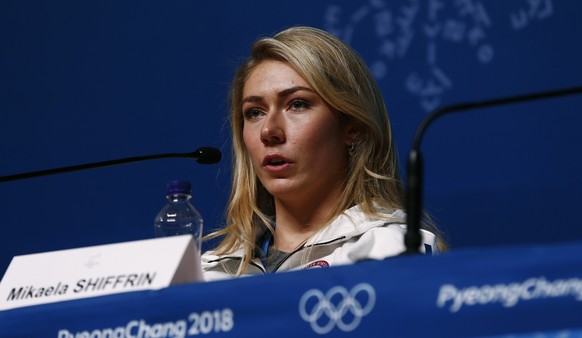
{"x":296,"y":142}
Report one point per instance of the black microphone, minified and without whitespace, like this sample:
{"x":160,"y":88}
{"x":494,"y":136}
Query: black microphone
{"x":413,"y":198}
{"x":203,"y":155}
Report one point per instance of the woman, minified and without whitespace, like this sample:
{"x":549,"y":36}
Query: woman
{"x":316,"y":180}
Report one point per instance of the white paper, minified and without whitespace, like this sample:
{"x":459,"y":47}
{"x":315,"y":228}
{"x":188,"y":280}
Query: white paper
{"x":99,"y":270}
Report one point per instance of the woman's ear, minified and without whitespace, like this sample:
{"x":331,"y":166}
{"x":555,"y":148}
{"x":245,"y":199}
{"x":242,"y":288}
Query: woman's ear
{"x":352,"y":132}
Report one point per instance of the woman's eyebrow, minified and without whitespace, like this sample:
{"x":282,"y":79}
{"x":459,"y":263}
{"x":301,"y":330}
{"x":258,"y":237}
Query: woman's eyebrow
{"x":283,"y":93}
{"x":252,"y":98}
{"x":289,"y":91}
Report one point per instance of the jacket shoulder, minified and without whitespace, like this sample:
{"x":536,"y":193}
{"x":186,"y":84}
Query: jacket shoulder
{"x":382,"y":242}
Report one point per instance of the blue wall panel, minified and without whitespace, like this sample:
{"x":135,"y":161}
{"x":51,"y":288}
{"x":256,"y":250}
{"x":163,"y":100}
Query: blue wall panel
{"x":91,"y":81}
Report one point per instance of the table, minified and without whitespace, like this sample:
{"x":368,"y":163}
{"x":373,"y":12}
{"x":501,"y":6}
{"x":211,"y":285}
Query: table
{"x":520,"y":291}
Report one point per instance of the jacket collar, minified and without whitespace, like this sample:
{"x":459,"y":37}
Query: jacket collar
{"x":354,"y":222}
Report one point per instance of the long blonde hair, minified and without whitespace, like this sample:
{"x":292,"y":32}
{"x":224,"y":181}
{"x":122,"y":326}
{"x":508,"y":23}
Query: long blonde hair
{"x":337,"y":73}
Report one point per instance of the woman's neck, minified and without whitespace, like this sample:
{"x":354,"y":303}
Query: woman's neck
{"x":295,"y":223}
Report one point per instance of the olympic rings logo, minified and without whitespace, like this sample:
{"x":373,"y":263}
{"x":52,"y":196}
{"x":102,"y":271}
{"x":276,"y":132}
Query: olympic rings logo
{"x":331,"y":309}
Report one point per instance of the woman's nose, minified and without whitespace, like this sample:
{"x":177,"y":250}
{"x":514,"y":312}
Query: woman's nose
{"x":272,"y":131}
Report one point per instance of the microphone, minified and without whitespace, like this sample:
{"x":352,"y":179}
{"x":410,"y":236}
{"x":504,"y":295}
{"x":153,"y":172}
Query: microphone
{"x":203,"y":155}
{"x":413,"y":197}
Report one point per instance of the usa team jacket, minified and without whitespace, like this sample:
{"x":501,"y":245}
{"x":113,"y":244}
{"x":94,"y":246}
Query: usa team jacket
{"x":350,"y":238}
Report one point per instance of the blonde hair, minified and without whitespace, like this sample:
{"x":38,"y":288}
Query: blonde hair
{"x":337,"y":73}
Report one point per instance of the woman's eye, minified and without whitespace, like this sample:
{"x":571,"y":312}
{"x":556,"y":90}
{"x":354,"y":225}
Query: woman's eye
{"x":298,"y":105}
{"x":252,"y":113}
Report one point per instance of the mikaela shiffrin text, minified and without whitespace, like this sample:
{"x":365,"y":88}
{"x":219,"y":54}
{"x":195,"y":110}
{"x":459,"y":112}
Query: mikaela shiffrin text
{"x":105,"y":283}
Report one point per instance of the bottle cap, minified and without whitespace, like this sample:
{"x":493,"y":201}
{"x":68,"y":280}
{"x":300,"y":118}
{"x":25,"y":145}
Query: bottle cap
{"x":178,"y":187}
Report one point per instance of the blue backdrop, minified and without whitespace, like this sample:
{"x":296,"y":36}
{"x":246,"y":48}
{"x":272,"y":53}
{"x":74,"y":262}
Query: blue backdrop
{"x":85,"y":81}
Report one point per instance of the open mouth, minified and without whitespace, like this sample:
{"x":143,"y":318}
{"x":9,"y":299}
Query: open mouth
{"x":274,"y":161}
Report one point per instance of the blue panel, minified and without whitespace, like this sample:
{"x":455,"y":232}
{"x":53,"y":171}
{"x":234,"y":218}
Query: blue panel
{"x":467,"y":293}
{"x":96,"y":80}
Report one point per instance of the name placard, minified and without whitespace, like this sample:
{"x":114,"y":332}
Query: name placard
{"x":99,"y":270}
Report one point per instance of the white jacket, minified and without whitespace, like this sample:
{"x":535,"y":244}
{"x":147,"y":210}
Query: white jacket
{"x":350,"y":238}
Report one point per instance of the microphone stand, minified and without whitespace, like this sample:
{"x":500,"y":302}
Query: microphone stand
{"x":413,"y":197}
{"x":203,"y":155}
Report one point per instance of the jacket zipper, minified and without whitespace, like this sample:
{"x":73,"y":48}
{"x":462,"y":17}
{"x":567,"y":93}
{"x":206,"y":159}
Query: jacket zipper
{"x":305,"y":247}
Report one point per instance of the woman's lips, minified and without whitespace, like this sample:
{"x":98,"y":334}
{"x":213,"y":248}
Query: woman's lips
{"x":275,"y":163}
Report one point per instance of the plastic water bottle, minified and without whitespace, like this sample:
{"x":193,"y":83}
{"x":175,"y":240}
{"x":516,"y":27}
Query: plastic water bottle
{"x":179,"y":216}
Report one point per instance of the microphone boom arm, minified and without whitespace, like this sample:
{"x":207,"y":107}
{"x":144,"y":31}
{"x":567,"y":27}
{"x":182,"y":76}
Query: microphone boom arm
{"x":413,"y":199}
{"x":204,"y":155}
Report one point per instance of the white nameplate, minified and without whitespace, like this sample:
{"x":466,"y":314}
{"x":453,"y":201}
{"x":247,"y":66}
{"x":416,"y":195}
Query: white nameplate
{"x":99,"y":270}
